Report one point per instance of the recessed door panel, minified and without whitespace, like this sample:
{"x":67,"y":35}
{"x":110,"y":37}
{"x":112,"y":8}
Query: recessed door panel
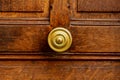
{"x":98,"y":6}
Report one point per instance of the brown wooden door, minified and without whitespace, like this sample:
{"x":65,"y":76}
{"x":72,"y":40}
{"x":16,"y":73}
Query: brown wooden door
{"x":26,"y":55}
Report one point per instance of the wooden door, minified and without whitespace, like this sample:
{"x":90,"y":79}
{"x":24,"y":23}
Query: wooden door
{"x":26,"y":55}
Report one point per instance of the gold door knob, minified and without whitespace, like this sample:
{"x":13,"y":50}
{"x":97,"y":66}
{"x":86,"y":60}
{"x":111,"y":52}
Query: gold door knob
{"x":59,"y":39}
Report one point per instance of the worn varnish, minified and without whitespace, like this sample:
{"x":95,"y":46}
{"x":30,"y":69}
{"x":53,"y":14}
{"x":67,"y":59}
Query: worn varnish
{"x":93,"y":55}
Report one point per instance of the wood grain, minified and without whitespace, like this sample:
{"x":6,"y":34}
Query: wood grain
{"x":23,"y":37}
{"x":59,"y":15}
{"x":98,"y":6}
{"x":95,"y":22}
{"x":24,"y":8}
{"x":85,"y":38}
{"x":22,"y":5}
{"x":95,"y":38}
{"x":94,"y":9}
{"x":24,"y":51}
{"x":24,"y":21}
{"x":59,"y":70}
{"x":44,"y":56}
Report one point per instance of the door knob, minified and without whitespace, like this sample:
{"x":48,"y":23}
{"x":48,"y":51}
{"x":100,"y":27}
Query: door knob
{"x":59,"y":39}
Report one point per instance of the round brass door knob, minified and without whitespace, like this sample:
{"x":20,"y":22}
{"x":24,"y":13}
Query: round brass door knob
{"x":59,"y":39}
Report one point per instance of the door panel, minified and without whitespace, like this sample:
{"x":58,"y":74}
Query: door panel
{"x":22,"y":5}
{"x":24,"y":8}
{"x":95,"y":38}
{"x":95,"y":26}
{"x":29,"y":34}
{"x":94,"y":9}
{"x":23,"y":37}
{"x":98,"y":6}
{"x":21,"y":24}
